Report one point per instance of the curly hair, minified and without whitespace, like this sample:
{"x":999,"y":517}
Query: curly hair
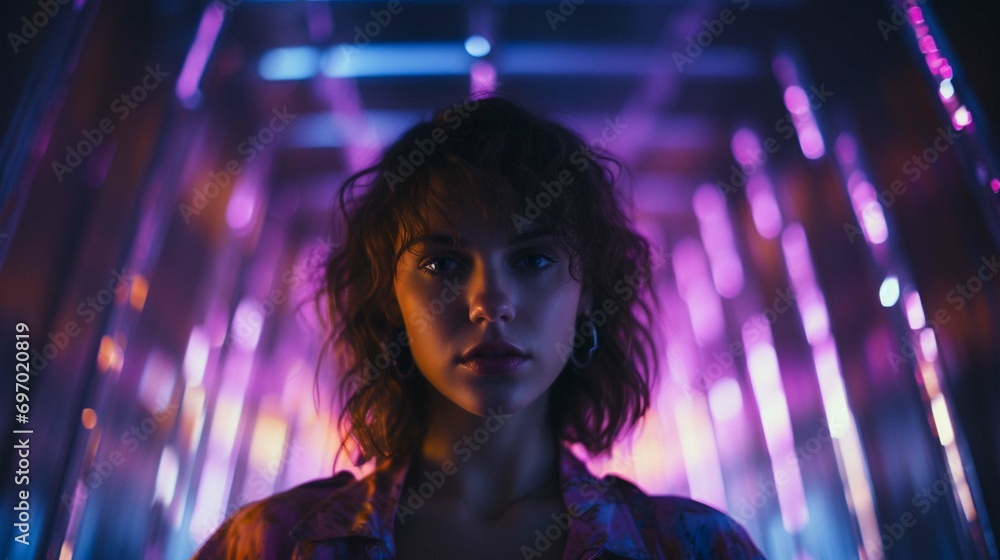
{"x":510,"y":167}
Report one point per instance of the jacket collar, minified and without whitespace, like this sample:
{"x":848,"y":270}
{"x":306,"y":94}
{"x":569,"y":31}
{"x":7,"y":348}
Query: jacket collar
{"x":366,"y":508}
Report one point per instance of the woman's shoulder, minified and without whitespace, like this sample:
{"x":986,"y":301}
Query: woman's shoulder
{"x":261,"y":529}
{"x":687,"y":528}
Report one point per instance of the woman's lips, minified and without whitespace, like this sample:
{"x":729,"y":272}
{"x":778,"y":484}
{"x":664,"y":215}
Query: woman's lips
{"x":494,"y":365}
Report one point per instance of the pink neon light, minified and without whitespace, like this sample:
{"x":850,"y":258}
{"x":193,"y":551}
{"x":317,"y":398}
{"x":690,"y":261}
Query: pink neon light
{"x":694,"y":283}
{"x":197,"y":58}
{"x":484,"y":78}
{"x":725,"y":399}
{"x":796,"y":100}
{"x":868,"y":210}
{"x":815,"y":319}
{"x":764,"y":206}
{"x":765,"y":378}
{"x":744,"y":145}
{"x":717,"y":235}
{"x":927,"y":44}
{"x":810,"y":139}
{"x":934,"y":60}
{"x":961,"y":117}
{"x":928,"y":344}
{"x":241,"y":208}
{"x":914,"y":311}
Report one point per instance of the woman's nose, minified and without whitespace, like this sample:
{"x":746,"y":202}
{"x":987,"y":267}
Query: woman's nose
{"x":489,"y":296}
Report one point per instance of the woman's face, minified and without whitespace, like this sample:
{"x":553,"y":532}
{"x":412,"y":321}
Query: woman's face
{"x":499,"y":286}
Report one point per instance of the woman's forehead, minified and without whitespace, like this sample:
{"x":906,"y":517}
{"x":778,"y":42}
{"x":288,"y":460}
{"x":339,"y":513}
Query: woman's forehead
{"x":463,"y":215}
{"x":467,"y":229}
{"x":470,"y":229}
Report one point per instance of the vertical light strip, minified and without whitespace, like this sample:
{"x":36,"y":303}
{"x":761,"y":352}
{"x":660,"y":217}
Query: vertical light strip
{"x":847,"y":444}
{"x":867,"y":209}
{"x":764,"y":205}
{"x":701,"y":457}
{"x":197,"y":57}
{"x":868,"y":212}
{"x":843,"y":429}
{"x":694,"y":283}
{"x":342,"y":96}
{"x":268,"y":450}
{"x":717,"y":235}
{"x":812,"y":305}
{"x":216,"y":475}
{"x":196,"y":357}
{"x":930,"y":380}
{"x":941,"y":71}
{"x":166,"y":477}
{"x":765,"y":378}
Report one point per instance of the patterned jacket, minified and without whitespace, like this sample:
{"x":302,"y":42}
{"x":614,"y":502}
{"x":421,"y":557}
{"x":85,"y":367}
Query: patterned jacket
{"x":345,"y":518}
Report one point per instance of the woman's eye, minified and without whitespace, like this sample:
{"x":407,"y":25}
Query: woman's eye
{"x":532,"y":262}
{"x":537,"y":261}
{"x":441,"y":263}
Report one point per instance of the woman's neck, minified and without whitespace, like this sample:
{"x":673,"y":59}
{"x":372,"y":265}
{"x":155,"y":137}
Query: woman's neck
{"x":491,"y":461}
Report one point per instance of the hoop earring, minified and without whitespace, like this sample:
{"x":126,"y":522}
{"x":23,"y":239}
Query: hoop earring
{"x":403,"y":363}
{"x":582,"y":363}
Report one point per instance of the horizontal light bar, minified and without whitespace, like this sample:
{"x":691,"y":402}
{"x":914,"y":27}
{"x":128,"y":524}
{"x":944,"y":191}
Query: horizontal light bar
{"x":525,"y":59}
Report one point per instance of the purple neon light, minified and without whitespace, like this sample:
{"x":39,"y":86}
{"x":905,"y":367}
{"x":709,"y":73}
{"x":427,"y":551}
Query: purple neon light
{"x":197,"y":58}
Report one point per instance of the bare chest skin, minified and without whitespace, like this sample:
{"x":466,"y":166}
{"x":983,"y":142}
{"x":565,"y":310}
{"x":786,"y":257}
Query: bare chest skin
{"x":445,"y":528}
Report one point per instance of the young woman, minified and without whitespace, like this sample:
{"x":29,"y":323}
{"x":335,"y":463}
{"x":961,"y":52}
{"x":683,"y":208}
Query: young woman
{"x":489,"y":306}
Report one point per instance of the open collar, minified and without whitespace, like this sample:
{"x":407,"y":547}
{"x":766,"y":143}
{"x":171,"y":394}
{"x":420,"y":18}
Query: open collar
{"x":600,"y":516}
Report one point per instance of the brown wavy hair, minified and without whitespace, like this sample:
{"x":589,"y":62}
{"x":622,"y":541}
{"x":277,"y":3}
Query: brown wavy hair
{"x":506,"y":164}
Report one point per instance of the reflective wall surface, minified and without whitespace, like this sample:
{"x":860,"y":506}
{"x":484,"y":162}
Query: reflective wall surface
{"x":819,"y":181}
